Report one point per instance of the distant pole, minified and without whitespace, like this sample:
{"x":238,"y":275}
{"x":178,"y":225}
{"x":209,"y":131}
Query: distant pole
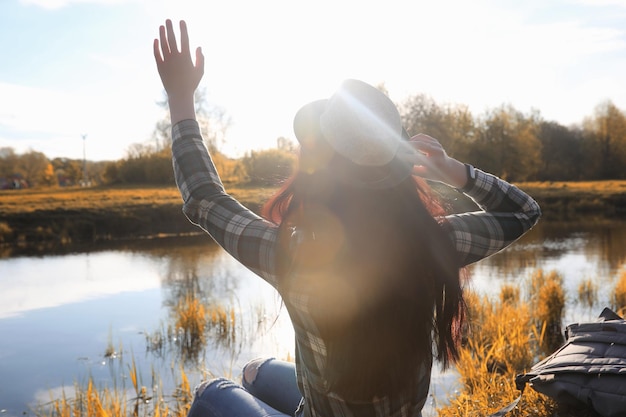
{"x":84,"y":161}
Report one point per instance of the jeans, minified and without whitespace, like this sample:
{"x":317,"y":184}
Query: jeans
{"x":268,"y":389}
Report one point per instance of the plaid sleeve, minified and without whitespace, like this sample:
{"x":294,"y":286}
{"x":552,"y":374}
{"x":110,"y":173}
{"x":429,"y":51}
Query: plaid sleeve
{"x":246,"y":236}
{"x":507,"y":213}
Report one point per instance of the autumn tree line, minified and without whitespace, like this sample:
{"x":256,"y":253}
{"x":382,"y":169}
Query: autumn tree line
{"x":503,"y":140}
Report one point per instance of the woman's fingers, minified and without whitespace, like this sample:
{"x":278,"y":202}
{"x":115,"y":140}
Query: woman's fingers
{"x":171,"y":37}
{"x":164,"y":47}
{"x":157,"y":52}
{"x":427,"y":145}
{"x":200,"y":61}
{"x":184,"y":38}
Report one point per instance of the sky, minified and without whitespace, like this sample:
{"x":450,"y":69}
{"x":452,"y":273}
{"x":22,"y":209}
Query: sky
{"x":77,"y":77}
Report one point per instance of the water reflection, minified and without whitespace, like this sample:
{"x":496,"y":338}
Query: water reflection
{"x":585,"y":250}
{"x":185,"y":302}
{"x":59,"y":315}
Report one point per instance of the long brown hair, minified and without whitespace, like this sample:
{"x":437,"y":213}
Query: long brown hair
{"x":382,"y":276}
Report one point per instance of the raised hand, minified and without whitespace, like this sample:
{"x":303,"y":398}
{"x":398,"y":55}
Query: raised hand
{"x":431,"y":161}
{"x":179,"y":74}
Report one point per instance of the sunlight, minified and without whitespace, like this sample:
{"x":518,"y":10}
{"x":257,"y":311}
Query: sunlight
{"x":264,"y":61}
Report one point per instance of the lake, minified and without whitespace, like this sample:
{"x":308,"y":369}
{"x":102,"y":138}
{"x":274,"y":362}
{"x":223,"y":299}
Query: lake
{"x":100,"y":312}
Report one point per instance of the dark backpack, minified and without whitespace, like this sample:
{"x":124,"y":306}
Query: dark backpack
{"x":589,"y":370}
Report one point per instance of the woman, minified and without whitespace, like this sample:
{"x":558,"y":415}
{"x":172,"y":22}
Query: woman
{"x":365,"y":261}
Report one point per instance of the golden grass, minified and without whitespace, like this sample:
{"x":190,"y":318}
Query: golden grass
{"x":5,"y":231}
{"x":607,"y":187}
{"x":91,"y":401}
{"x":194,"y":321}
{"x":619,"y":294}
{"x":191,"y":319}
{"x":502,"y":342}
{"x":587,"y":292}
{"x":112,"y":198}
{"x":547,"y":296}
{"x":509,"y":294}
{"x":28,"y":200}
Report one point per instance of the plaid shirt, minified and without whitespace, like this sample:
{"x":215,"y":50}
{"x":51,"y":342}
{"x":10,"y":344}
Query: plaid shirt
{"x":507,"y":213}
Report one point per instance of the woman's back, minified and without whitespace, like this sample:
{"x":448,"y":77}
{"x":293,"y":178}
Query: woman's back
{"x":373,"y":266}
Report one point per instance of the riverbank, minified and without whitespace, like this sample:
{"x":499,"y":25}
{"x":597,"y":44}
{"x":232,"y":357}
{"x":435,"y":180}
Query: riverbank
{"x":115,"y":277}
{"x":571,"y":200}
{"x":53,"y":217}
{"x":46,"y":219}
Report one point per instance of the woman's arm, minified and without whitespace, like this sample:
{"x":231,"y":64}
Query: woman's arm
{"x":243,"y":234}
{"x":507,"y":212}
{"x":247,"y":237}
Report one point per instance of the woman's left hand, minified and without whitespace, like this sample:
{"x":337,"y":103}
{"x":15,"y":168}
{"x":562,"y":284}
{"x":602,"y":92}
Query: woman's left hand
{"x":179,"y":74}
{"x":431,"y":161}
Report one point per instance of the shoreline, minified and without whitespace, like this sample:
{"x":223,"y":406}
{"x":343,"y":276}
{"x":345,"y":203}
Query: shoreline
{"x":40,"y":220}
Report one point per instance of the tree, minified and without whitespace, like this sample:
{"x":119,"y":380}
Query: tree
{"x":269,"y":167}
{"x":32,"y":165}
{"x":49,"y":178}
{"x":452,"y":125}
{"x":605,"y":134}
{"x":68,"y":171}
{"x":150,"y":162}
{"x":8,"y":162}
{"x":111,"y":174}
{"x":562,"y":153}
{"x":507,"y":144}
{"x":421,"y":114}
{"x":212,"y":119}
{"x":286,"y":144}
{"x":140,"y":151}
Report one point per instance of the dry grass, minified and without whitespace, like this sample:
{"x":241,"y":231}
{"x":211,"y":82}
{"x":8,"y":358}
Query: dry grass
{"x":195,"y":323}
{"x":191,"y":322}
{"x":113,"y":198}
{"x":501,"y":344}
{"x":587,"y":292}
{"x":28,"y":200}
{"x":569,"y":200}
{"x":619,"y":294}
{"x":91,"y":401}
{"x":506,"y":337}
{"x":600,"y":188}
{"x":546,"y":298}
{"x":5,"y":231}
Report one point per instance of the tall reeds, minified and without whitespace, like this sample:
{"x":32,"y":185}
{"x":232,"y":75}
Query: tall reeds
{"x":191,"y":322}
{"x":619,"y":294}
{"x":587,"y":293}
{"x":546,"y":297}
{"x":91,"y":401}
{"x":506,"y":336}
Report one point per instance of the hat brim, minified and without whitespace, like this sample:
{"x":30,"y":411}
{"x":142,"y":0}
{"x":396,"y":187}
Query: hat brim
{"x":307,"y":129}
{"x":306,"y":123}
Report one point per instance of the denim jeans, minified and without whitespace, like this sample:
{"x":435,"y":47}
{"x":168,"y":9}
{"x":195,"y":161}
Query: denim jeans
{"x":268,"y":389}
